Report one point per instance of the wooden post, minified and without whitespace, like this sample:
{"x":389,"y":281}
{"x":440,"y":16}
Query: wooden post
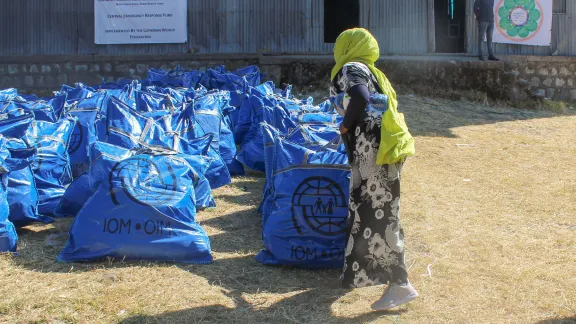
{"x":431,"y":28}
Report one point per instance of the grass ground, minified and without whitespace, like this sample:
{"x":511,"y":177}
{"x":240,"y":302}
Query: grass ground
{"x":489,"y":210}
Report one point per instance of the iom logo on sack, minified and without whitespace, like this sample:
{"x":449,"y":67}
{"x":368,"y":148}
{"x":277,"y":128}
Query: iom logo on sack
{"x":322,"y":205}
{"x":145,"y":182}
{"x":76,"y":138}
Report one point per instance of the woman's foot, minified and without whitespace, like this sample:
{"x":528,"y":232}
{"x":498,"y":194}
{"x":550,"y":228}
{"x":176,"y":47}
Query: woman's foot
{"x":394,"y":296}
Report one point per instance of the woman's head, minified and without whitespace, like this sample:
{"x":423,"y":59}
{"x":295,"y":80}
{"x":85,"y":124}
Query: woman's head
{"x":355,"y":45}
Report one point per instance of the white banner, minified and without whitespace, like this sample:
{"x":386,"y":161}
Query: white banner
{"x":140,"y":21}
{"x":523,"y":22}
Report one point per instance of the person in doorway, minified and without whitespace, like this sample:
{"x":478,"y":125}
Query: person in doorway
{"x":484,"y":11}
{"x":380,"y":142}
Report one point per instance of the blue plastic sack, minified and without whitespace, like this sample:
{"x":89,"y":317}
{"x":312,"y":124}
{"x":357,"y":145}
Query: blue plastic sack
{"x":143,"y":209}
{"x":8,"y":94}
{"x":307,"y":223}
{"x":129,"y":129}
{"x":264,"y":110}
{"x":51,"y":166}
{"x":317,"y":118}
{"x":79,"y":91}
{"x":57,"y":102}
{"x":75,"y":196}
{"x":251,"y":74}
{"x":128,"y":94}
{"x":211,"y":114}
{"x":8,"y":236}
{"x":149,"y":102}
{"x":303,"y":135}
{"x":41,"y":109}
{"x":187,"y":125}
{"x":22,"y":191}
{"x":87,"y":112}
{"x":15,"y":124}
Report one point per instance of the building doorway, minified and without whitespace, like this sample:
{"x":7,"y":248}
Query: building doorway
{"x":340,"y":15}
{"x":450,"y":25}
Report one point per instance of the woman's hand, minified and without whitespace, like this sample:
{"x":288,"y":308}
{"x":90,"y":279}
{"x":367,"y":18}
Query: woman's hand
{"x":343,"y":130}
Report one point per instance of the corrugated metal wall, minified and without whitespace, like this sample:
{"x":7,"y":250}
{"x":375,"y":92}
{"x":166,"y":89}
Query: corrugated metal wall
{"x":563,"y":33}
{"x":399,"y":26}
{"x":66,"y":27}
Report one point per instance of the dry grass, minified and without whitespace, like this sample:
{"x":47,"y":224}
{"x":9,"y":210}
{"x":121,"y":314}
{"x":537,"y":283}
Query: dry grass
{"x":489,"y":209}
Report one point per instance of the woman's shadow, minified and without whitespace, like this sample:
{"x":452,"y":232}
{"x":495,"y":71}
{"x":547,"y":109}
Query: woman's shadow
{"x":312,"y":295}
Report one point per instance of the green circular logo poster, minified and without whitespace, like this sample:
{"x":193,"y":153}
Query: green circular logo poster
{"x":526,"y":22}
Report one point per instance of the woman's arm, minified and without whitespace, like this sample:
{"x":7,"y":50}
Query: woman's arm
{"x":359,"y":99}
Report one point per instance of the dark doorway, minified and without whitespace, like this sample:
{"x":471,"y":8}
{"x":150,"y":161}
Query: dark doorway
{"x":340,"y":15}
{"x":450,"y":24}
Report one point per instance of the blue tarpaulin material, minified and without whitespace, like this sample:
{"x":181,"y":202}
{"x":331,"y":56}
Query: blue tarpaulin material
{"x":308,"y":207}
{"x":51,"y":166}
{"x":87,"y":112}
{"x":142,"y":209}
{"x":8,"y":236}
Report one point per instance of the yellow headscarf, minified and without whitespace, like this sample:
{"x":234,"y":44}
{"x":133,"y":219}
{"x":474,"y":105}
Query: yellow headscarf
{"x":358,"y":45}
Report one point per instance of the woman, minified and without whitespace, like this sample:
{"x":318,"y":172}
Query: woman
{"x":381,"y":143}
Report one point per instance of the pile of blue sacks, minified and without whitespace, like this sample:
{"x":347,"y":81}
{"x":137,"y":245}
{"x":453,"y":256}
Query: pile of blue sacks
{"x":133,"y":161}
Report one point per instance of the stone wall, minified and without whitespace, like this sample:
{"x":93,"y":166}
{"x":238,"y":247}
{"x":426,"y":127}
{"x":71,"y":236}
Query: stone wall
{"x":514,"y":78}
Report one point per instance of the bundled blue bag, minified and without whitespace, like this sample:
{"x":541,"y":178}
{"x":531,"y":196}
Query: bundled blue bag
{"x":42,"y":110}
{"x":51,"y":166}
{"x":143,"y":209}
{"x":8,"y":94}
{"x":8,"y":236}
{"x":87,"y":112}
{"x":251,"y":149}
{"x":211,"y":114}
{"x":22,"y":191}
{"x":57,"y":102}
{"x":75,"y":196}
{"x":317,"y":118}
{"x":303,"y":135}
{"x":257,"y":99}
{"x":306,"y":224}
{"x":22,"y":194}
{"x":129,"y":129}
{"x":170,"y":78}
{"x":150,"y":102}
{"x":80,"y":189}
{"x":79,"y":91}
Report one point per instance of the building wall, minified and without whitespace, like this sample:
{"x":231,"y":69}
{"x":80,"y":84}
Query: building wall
{"x":401,"y":27}
{"x":66,"y":27}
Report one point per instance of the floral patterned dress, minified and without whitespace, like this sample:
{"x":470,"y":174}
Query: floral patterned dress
{"x":375,"y":245}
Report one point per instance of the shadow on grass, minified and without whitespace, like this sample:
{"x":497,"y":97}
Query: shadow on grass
{"x":567,"y":320}
{"x":235,"y":272}
{"x":313,"y":306}
{"x":312,"y":294}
